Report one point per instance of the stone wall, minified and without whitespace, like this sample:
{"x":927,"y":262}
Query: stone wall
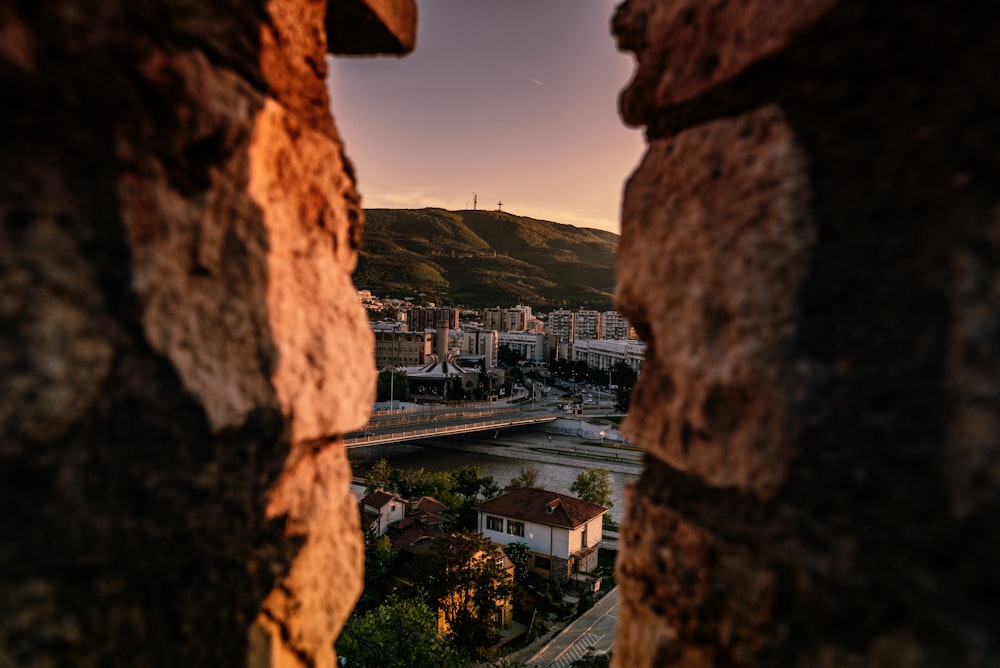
{"x":180,"y":343}
{"x":810,"y":249}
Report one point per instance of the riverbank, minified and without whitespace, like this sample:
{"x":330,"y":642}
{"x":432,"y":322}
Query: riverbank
{"x":546,"y":448}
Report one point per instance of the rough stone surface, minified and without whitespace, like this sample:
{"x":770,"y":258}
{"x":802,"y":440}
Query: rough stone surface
{"x":724,"y":205}
{"x":685,"y":47}
{"x":180,"y":342}
{"x":819,"y":297}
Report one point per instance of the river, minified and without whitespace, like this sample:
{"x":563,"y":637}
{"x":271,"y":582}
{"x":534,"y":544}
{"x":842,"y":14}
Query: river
{"x":554,"y":477}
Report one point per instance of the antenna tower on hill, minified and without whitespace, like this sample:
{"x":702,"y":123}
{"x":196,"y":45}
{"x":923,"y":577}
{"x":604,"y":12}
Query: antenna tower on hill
{"x":475,"y":200}
{"x":499,"y":206}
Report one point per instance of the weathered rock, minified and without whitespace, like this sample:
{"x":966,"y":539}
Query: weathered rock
{"x":684,"y":48}
{"x":810,"y":248}
{"x":723,"y":206}
{"x":180,"y":343}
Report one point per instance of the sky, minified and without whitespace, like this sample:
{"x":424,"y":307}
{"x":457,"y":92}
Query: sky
{"x":515,"y":100}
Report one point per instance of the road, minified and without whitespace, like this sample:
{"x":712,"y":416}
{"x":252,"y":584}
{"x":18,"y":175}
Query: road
{"x":593,"y":631}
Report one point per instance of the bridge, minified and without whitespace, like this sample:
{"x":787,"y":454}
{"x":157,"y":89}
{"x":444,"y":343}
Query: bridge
{"x":411,"y":424}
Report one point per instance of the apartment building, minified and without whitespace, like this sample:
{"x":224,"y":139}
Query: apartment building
{"x":586,"y":325}
{"x":481,"y":343}
{"x":614,"y":325}
{"x":394,"y":349}
{"x":604,"y":353}
{"x":560,"y":324}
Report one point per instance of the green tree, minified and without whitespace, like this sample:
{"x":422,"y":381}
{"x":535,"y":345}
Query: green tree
{"x":527,"y":476}
{"x":624,"y":377}
{"x":519,"y":554}
{"x":379,"y":475}
{"x":594,"y":487}
{"x":400,"y":633}
{"x":392,"y":384}
{"x":473,"y":488}
{"x":467,"y":583}
{"x":379,"y":560}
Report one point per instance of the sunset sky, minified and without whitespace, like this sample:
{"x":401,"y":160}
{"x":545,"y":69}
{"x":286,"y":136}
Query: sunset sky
{"x":515,"y":100}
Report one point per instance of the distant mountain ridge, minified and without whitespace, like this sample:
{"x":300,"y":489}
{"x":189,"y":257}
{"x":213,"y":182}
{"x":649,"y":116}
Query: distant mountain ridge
{"x":486,"y":258}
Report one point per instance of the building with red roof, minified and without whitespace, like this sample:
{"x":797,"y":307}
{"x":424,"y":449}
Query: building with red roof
{"x":561,"y":531}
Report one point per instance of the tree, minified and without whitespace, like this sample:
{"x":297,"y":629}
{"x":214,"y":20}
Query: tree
{"x":624,"y":377}
{"x":392,"y":385}
{"x":506,"y":356}
{"x":472,"y":487}
{"x":379,"y":475}
{"x":527,"y":476}
{"x":519,"y":555}
{"x":467,"y":583}
{"x":398,"y":634}
{"x":594,"y":487}
{"x":379,"y":560}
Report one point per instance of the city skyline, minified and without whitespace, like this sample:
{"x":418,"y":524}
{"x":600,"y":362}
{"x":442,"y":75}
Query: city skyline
{"x":513,"y":101}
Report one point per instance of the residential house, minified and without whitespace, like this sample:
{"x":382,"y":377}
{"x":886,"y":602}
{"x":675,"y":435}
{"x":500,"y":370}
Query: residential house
{"x":562,"y":532}
{"x":380,"y":509}
{"x":425,"y":518}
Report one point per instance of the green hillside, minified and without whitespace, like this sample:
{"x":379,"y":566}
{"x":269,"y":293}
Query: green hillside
{"x":486,"y":258}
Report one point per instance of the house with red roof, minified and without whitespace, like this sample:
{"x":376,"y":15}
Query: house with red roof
{"x":380,"y":509}
{"x":562,"y":532}
{"x":425,"y":518}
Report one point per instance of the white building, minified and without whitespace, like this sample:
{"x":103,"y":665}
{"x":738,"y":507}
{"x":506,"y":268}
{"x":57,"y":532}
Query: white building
{"x":615,"y":326}
{"x":586,"y":325}
{"x":481,"y":343}
{"x":532,"y":347}
{"x":560,"y":323}
{"x":380,"y":509}
{"x":562,"y":532}
{"x":604,"y":353}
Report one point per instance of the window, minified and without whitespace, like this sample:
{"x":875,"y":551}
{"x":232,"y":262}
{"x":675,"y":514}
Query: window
{"x":515,"y":528}
{"x":494,"y":523}
{"x":543,"y":563}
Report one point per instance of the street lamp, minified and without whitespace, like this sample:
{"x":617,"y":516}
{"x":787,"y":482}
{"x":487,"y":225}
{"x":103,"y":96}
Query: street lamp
{"x":602,"y":437}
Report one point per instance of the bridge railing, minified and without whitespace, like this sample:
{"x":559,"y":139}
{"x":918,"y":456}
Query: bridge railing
{"x":443,"y":430}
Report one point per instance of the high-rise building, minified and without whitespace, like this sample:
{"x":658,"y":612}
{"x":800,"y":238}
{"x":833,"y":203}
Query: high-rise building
{"x":513,"y":319}
{"x":587,"y":325}
{"x":426,"y":317}
{"x":560,"y":324}
{"x":615,"y":326}
{"x":493,"y":318}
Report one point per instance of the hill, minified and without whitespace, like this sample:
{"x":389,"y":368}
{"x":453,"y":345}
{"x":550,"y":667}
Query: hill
{"x":486,"y":258}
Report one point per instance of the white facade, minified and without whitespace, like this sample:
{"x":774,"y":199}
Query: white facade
{"x":604,"y":353}
{"x":615,"y":326}
{"x":560,"y":323}
{"x":587,"y":325}
{"x":385,"y":507}
{"x":541,"y":539}
{"x":484,"y":343}
{"x":530,"y":346}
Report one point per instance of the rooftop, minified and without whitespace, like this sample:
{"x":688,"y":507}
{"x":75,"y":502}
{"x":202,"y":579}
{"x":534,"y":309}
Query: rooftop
{"x":542,"y":507}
